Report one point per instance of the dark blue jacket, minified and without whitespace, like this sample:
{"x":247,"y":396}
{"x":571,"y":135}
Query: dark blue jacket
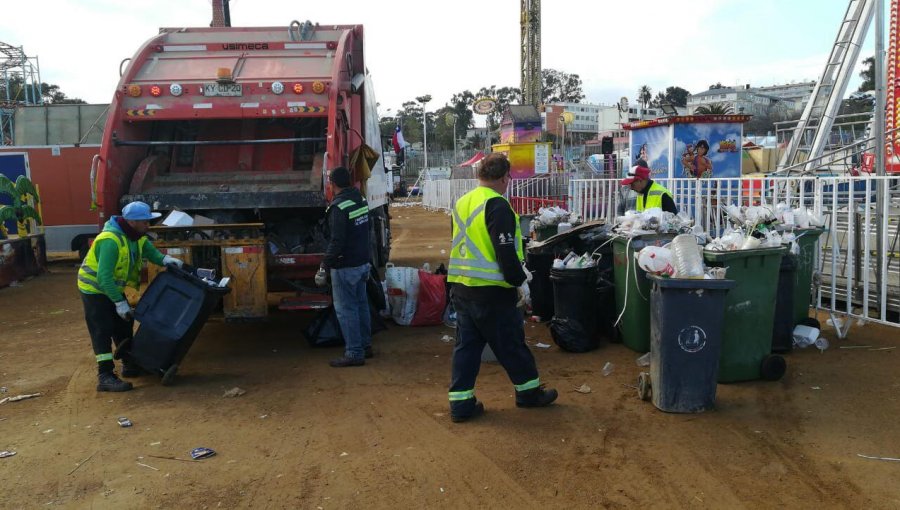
{"x":348,"y":229}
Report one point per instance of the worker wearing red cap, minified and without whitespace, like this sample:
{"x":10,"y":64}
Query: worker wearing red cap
{"x":650,"y":194}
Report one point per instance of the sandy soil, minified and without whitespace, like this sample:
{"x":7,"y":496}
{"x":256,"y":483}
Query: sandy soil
{"x":309,"y":436}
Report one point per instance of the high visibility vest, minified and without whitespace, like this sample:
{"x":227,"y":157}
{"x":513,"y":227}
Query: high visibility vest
{"x":654,"y":197}
{"x":473,"y":261}
{"x":128,"y":266}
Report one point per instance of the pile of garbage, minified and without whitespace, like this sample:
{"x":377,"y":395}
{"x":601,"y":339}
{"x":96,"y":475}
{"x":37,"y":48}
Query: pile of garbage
{"x":574,"y":261}
{"x":763,"y":226}
{"x":682,"y":258}
{"x":653,"y":221}
{"x":555,"y":216}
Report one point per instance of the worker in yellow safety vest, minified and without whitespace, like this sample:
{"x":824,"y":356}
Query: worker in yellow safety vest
{"x":113,"y":263}
{"x":486,"y":275}
{"x":650,"y":194}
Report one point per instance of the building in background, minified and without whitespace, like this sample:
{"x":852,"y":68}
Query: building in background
{"x":784,"y":101}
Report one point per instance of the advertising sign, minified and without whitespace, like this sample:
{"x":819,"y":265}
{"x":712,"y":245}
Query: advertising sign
{"x":707,"y":150}
{"x":651,"y":145}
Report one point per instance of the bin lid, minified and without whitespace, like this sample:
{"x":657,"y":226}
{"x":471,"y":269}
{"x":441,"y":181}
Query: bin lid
{"x":691,"y":283}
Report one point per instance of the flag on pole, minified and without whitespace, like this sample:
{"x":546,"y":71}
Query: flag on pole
{"x":398,"y":141}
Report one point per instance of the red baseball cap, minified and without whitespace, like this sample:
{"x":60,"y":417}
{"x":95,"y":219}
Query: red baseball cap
{"x":636,"y":173}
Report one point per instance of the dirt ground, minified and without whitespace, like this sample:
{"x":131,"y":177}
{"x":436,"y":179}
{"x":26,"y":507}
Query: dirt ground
{"x":309,"y":436}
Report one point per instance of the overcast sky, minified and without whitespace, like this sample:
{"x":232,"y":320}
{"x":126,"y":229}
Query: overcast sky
{"x":439,"y":48}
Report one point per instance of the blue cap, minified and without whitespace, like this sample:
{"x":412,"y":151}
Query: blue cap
{"x":139,"y":211}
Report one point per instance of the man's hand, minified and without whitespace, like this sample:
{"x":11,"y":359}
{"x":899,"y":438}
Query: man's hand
{"x":528,"y":276}
{"x":124,"y":310}
{"x":172,"y":260}
{"x":321,"y":277}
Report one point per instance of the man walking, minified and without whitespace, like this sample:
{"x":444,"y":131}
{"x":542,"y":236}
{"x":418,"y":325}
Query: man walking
{"x":486,"y":271}
{"x":347,"y":259}
{"x":113,"y":263}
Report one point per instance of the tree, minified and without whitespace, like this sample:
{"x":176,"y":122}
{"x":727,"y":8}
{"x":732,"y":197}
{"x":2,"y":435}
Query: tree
{"x":714,"y":109}
{"x":560,"y":87}
{"x":868,"y":75}
{"x":644,"y":95}
{"x":659,"y":99}
{"x":49,"y":93}
{"x":677,"y":96}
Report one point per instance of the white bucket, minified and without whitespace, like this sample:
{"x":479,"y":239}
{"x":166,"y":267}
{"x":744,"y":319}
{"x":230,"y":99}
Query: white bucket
{"x":805,"y":335}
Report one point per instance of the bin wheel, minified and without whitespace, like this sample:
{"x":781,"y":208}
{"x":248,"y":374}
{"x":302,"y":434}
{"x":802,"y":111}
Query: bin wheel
{"x":644,"y":386}
{"x":168,"y":377}
{"x":773,"y":367}
{"x":811,"y":322}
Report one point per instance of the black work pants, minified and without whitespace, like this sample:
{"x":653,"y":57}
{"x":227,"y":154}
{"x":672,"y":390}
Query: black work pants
{"x":497,"y":323}
{"x":105,"y":327}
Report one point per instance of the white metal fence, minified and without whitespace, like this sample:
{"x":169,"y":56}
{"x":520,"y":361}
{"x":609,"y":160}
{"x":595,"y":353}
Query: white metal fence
{"x":858,"y":278}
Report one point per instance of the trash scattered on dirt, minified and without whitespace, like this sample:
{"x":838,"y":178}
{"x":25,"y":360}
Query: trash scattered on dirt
{"x":443,"y":252}
{"x":608,"y":368}
{"x":124,"y":422}
{"x":855,"y":347}
{"x":817,"y":387}
{"x":584,"y":388}
{"x":146,"y":466}
{"x":442,"y":489}
{"x":19,"y":397}
{"x":47,"y":431}
{"x":263,"y":416}
{"x":15,"y":283}
{"x":446,"y":339}
{"x":57,"y":312}
{"x":89,"y":457}
{"x":169,"y":457}
{"x":836,"y":323}
{"x":3,"y":389}
{"x":883,"y":349}
{"x":343,"y":454}
{"x":540,"y":345}
{"x":202,"y":453}
{"x":157,"y":443}
{"x":889,"y":459}
{"x":643,"y":361}
{"x":6,"y":453}
{"x":233,"y":392}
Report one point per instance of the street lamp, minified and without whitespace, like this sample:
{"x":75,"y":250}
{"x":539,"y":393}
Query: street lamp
{"x":424,"y":100}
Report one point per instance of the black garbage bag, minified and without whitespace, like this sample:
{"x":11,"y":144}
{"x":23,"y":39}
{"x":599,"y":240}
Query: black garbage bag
{"x":325,"y":330}
{"x":570,"y":335}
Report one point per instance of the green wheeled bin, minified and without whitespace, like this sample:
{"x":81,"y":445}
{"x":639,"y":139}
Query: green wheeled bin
{"x":808,"y":241}
{"x":633,"y":289}
{"x":749,"y":314}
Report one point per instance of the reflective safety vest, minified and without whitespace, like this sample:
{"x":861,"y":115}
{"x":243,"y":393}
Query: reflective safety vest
{"x":653,"y":197}
{"x":473,"y":261}
{"x":128,"y":265}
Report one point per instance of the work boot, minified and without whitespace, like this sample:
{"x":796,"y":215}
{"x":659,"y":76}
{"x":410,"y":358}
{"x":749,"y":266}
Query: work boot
{"x":107,"y":381}
{"x":476,"y":412}
{"x":130,"y":369}
{"x":344,"y":361}
{"x":537,"y":397}
{"x":369,"y":353}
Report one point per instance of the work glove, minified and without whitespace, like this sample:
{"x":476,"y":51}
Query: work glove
{"x":528,"y":276}
{"x":172,"y":260}
{"x":124,"y":310}
{"x":524,"y":296}
{"x":321,"y":277}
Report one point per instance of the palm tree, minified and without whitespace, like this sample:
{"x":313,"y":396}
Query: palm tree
{"x":644,"y":95}
{"x":714,"y":109}
{"x":20,"y":210}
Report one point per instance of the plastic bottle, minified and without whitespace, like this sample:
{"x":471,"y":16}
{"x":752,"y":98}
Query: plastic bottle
{"x":686,"y":257}
{"x":563,"y":227}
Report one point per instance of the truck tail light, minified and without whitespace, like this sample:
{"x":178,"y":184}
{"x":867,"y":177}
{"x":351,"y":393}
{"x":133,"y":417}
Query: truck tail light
{"x":134,"y":90}
{"x":298,"y":88}
{"x":318,"y":87}
{"x":155,"y":91}
{"x":175,"y":89}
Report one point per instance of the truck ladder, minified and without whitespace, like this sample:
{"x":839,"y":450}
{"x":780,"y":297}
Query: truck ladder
{"x":814,"y":127}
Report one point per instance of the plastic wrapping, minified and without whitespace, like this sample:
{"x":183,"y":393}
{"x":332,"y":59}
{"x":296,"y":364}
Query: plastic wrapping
{"x":656,"y":260}
{"x":403,"y":292}
{"x":431,"y":300}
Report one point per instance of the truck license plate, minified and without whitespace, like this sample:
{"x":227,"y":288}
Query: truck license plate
{"x":223,"y":89}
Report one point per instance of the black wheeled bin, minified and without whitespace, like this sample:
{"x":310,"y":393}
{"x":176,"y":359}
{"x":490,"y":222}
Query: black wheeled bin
{"x":783,"y":328}
{"x":171,"y":313}
{"x":541,"y":287}
{"x":687,"y":319}
{"x":574,"y":324}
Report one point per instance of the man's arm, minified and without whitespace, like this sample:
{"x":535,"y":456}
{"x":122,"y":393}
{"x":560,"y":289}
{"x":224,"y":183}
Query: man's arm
{"x":668,"y":204}
{"x":152,"y":254}
{"x":501,"y":225}
{"x":338,"y":220}
{"x":107,"y":252}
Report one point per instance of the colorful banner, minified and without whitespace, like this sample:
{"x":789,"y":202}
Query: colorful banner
{"x":651,"y":145}
{"x":707,"y":150}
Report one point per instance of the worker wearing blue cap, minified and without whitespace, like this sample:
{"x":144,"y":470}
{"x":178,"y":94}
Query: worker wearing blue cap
{"x":113,"y":263}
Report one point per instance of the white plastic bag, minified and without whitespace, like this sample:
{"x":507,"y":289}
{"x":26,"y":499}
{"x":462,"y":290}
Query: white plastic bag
{"x":403,"y":292}
{"x":656,"y":260}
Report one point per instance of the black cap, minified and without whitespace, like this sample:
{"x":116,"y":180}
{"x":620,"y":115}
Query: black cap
{"x":340,"y":177}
